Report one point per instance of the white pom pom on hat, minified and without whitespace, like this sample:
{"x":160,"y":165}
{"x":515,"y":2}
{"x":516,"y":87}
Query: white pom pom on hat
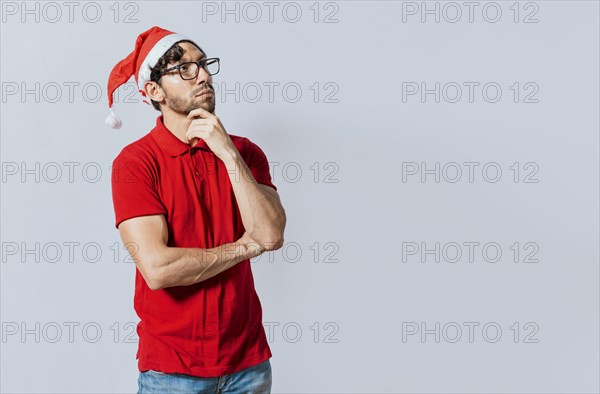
{"x":149,"y":47}
{"x":113,"y":121}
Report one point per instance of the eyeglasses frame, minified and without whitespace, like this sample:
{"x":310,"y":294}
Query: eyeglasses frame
{"x":199,"y":63}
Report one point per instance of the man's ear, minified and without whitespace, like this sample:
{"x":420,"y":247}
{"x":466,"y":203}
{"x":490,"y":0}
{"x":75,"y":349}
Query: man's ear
{"x":154,"y":91}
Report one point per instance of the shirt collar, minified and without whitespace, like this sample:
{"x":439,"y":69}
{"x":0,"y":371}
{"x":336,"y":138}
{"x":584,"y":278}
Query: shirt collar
{"x":170,"y":143}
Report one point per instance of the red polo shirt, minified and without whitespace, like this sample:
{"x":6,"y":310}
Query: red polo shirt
{"x":214,"y":327}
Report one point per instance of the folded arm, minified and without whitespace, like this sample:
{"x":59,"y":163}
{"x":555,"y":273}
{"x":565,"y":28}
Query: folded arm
{"x":260,"y":207}
{"x":162,"y":266}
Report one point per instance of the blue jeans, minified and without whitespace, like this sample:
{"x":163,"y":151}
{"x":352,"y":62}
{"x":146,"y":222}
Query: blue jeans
{"x":251,"y":380}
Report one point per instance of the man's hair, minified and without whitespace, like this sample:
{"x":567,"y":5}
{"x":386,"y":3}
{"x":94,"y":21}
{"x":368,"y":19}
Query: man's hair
{"x":172,"y":55}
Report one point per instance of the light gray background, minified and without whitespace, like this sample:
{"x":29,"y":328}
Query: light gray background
{"x":369,"y":296}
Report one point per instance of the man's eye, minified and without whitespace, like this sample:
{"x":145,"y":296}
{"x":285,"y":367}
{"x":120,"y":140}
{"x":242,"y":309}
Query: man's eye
{"x":185,"y":67}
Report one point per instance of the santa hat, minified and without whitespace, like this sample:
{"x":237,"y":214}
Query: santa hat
{"x":149,"y":47}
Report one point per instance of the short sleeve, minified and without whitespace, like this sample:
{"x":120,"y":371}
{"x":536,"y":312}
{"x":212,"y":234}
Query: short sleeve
{"x":259,"y":165}
{"x":134,"y":190}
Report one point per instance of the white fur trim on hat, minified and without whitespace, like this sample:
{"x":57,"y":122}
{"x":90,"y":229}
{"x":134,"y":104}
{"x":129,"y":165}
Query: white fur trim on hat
{"x":155,"y":53}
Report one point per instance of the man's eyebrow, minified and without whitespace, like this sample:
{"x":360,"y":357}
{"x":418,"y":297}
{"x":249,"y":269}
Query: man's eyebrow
{"x":200,"y":58}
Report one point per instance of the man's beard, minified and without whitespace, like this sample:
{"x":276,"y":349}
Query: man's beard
{"x":186,"y":105}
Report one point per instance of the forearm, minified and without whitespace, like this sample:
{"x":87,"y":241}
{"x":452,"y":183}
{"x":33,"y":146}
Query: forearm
{"x":186,"y":266}
{"x":262,"y":214}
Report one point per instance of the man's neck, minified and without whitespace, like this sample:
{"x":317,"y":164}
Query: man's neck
{"x":177,"y":124}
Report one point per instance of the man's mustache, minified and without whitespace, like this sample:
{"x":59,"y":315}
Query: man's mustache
{"x":203,"y":89}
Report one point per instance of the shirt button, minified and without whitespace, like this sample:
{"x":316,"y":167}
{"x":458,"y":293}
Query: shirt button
{"x":197,"y":173}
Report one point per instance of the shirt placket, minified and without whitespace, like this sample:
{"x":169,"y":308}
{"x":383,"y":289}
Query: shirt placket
{"x":200,"y":173}
{"x":199,"y":182}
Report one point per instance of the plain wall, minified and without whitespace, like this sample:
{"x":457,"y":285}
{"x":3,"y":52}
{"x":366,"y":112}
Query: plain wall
{"x":374,"y":178}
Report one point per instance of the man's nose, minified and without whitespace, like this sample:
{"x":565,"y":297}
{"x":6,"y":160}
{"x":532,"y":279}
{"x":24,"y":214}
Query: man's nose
{"x":202,"y":77}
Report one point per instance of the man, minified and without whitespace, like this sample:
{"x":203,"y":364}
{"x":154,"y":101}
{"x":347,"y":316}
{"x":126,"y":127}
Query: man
{"x":193,"y":205}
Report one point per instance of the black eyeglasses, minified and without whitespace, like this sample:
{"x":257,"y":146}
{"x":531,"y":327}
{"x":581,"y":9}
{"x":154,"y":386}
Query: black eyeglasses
{"x":189,"y":70}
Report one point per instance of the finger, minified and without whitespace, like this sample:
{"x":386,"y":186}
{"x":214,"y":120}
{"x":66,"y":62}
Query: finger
{"x":201,"y":128}
{"x":199,"y":132}
{"x":199,"y":112}
{"x":200,"y":121}
{"x":191,"y":137}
